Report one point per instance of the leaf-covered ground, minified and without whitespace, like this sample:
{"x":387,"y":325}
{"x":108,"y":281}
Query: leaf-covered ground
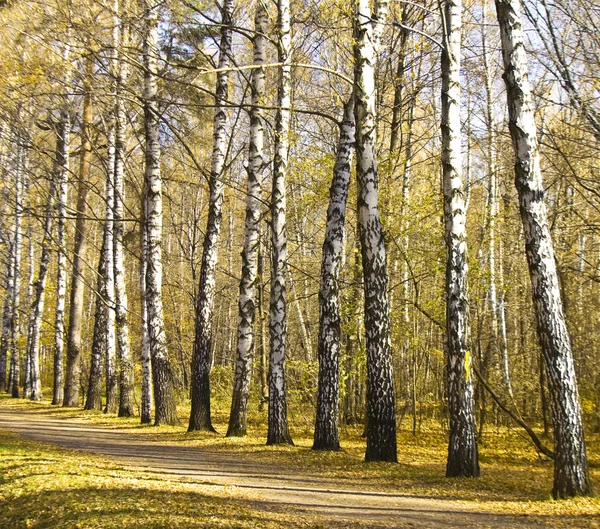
{"x":42,"y":485}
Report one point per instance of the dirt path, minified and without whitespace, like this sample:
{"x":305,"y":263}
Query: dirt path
{"x":273,"y":488}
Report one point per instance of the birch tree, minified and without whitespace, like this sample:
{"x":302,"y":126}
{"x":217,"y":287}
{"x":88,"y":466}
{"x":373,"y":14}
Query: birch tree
{"x":164,"y":394}
{"x":15,"y":360}
{"x":278,"y":430}
{"x":125,"y":361}
{"x":146,"y":405}
{"x":247,"y":298}
{"x":200,"y":414}
{"x":326,"y":435}
{"x":571,"y":476}
{"x":93,"y":400}
{"x":381,"y":410}
{"x":496,"y":296}
{"x":73,"y":374}
{"x":6,"y":314}
{"x":463,"y":459}
{"x":61,"y":265}
{"x":37,"y":307}
{"x":111,"y":405}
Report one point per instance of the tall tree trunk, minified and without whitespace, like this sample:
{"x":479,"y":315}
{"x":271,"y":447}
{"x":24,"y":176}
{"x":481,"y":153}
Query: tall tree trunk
{"x":570,"y":467}
{"x":499,"y":338}
{"x":164,"y":391}
{"x":93,"y":399}
{"x":125,"y":361}
{"x":463,"y":457}
{"x":61,"y":267}
{"x":262,"y":320}
{"x":6,"y":313}
{"x":26,"y":327}
{"x":37,"y":306}
{"x":73,"y":371}
{"x":146,"y":407}
{"x":381,"y":409}
{"x":326,"y":435}
{"x":203,"y":342}
{"x":111,"y":405}
{"x":15,"y":361}
{"x":278,"y":430}
{"x":246,"y":305}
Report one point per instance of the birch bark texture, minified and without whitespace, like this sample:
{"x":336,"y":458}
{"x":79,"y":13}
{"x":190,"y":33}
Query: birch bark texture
{"x":326,"y":436}
{"x":38,"y":303}
{"x":571,"y":476}
{"x":6,"y":315}
{"x":125,"y":361}
{"x":111,"y":405}
{"x":278,"y":430}
{"x":61,"y":267}
{"x":238,"y":417}
{"x":203,"y":341}
{"x":463,"y":458}
{"x":381,"y":409}
{"x":146,"y":404}
{"x":164,"y":394}
{"x":15,"y":360}
{"x":73,"y":365}
{"x":93,"y":400}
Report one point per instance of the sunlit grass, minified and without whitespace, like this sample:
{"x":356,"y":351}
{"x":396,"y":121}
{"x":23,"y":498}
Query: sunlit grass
{"x":514,"y":478}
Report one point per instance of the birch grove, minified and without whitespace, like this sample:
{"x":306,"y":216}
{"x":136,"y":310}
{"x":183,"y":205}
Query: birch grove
{"x":378,"y":273}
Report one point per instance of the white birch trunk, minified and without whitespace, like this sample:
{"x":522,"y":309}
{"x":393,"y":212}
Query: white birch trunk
{"x":326,"y":435}
{"x":462,"y":447}
{"x":73,"y":371}
{"x":571,"y":476}
{"x":37,"y":306}
{"x":163,"y":385}
{"x":125,"y":361}
{"x":203,"y":342}
{"x":6,"y":314}
{"x":381,"y":410}
{"x":146,"y":406}
{"x":111,"y":405}
{"x":61,"y":266}
{"x":29,"y":303}
{"x":247,"y":298}
{"x":278,"y":430}
{"x":93,"y":399}
{"x":499,"y":337}
{"x":15,"y":333}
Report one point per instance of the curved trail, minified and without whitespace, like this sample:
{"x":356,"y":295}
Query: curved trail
{"x":271,"y":488}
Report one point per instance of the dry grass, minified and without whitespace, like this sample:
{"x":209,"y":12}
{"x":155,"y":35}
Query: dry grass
{"x":42,"y":483}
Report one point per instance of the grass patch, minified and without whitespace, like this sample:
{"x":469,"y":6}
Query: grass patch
{"x":42,"y":485}
{"x":46,"y":486}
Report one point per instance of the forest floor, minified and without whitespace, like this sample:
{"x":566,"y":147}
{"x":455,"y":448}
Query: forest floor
{"x":72,"y":468}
